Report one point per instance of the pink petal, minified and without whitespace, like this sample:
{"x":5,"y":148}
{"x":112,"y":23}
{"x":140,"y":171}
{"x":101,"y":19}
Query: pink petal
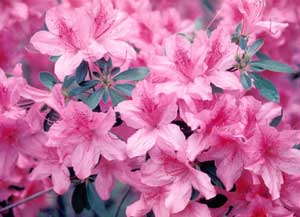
{"x":47,"y":43}
{"x":226,"y":80}
{"x":142,"y":141}
{"x":104,"y":183}
{"x":111,"y":147}
{"x":138,"y":208}
{"x":230,"y":169}
{"x":8,"y":159}
{"x":273,"y":179}
{"x":194,"y":209}
{"x":153,"y":174}
{"x":66,"y":64}
{"x":83,"y":160}
{"x":195,"y":146}
{"x":171,"y":135}
{"x":119,"y":49}
{"x":201,"y":182}
{"x":61,"y":180}
{"x":132,"y":115}
{"x":179,"y":195}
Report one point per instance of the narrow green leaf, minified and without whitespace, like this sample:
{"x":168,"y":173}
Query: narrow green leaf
{"x":68,"y":81}
{"x":262,"y":56}
{"x":256,"y":68}
{"x":210,"y":169}
{"x":216,"y":89}
{"x":296,"y":146}
{"x":103,"y":65}
{"x":255,"y":47}
{"x":133,"y":74}
{"x":79,"y":198}
{"x":105,"y":96}
{"x":199,"y":24}
{"x":266,"y":88}
{"x":93,"y":100}
{"x":243,"y":42}
{"x":272,"y":66}
{"x":47,"y":79}
{"x":238,"y":29}
{"x":86,"y":85}
{"x":115,"y":71}
{"x":81,"y":72}
{"x":115,"y":97}
{"x":276,"y":121}
{"x":54,"y":58}
{"x":246,"y":81}
{"x":96,"y":204}
{"x":125,"y":88}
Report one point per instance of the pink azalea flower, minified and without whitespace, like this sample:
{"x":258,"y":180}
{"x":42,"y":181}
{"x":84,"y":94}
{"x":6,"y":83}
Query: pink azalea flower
{"x":83,"y":135}
{"x":83,"y":33}
{"x":221,"y":114}
{"x":228,"y":154}
{"x":192,"y":67}
{"x":174,"y":170}
{"x":10,"y":91}
{"x":152,"y":115}
{"x":271,"y":154}
{"x":52,"y":165}
{"x":17,"y":137}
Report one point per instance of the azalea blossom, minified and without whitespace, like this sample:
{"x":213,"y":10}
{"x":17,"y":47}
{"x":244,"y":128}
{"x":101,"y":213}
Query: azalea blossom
{"x":152,"y":115}
{"x":88,"y":137}
{"x":83,"y":34}
{"x":271,"y":154}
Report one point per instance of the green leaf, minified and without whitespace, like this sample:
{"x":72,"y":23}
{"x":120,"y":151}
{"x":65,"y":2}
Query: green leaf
{"x":79,"y":198}
{"x":54,"y":58}
{"x":86,"y":85}
{"x":96,"y":204}
{"x":210,"y":169}
{"x":133,"y":74}
{"x":255,"y":47}
{"x":262,"y":56}
{"x":216,"y":89}
{"x":246,"y":81}
{"x":256,"y":69}
{"x":104,"y":65}
{"x":276,"y":121}
{"x":81,"y":72}
{"x":238,"y":29}
{"x":93,"y":100}
{"x":48,"y":79}
{"x":68,"y":81}
{"x":297,"y":146}
{"x":125,"y":88}
{"x":115,"y":70}
{"x":271,"y":65}
{"x":115,"y":97}
{"x":199,"y":24}
{"x":105,"y":96}
{"x":243,"y":42}
{"x":266,"y":88}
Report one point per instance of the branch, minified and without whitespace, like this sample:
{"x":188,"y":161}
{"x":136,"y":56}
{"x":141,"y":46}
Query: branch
{"x":38,"y":194}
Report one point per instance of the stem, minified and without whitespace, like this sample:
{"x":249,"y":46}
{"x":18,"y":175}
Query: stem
{"x":38,"y":194}
{"x":121,"y":202}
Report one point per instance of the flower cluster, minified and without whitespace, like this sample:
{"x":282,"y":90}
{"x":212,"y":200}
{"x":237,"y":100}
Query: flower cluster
{"x":192,"y":105}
